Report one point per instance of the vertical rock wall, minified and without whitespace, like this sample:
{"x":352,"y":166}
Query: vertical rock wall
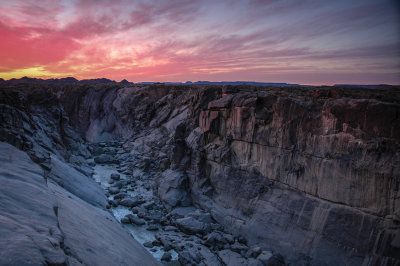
{"x":317,"y":180}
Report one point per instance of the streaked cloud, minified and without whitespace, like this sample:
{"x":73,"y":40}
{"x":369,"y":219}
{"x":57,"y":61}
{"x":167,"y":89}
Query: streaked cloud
{"x":282,"y":41}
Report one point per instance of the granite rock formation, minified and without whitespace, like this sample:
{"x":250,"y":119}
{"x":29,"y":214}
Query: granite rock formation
{"x":51,"y":211}
{"x":308,"y":175}
{"x":320,"y":179}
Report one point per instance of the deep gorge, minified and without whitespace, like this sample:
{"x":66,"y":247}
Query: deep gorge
{"x":235,"y":175}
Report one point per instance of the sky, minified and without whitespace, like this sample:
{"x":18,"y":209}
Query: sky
{"x":306,"y":42}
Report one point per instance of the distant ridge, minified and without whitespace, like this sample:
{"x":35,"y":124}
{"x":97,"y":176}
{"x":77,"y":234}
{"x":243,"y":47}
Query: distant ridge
{"x":370,"y":86}
{"x":72,"y":80}
{"x":68,"y":80}
{"x":233,"y":83}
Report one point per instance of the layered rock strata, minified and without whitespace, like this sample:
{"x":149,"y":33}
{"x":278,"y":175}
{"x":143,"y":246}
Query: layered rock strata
{"x":313,"y":179}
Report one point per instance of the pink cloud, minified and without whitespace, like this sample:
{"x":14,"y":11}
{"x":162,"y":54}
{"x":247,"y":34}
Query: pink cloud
{"x":19,"y":48}
{"x":181,"y":40}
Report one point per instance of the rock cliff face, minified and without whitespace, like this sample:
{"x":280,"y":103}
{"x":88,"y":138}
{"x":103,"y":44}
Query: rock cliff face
{"x":51,"y":211}
{"x":310,"y":173}
{"x":318,"y":179}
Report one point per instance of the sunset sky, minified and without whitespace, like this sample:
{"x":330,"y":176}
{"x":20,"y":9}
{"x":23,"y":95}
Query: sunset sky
{"x":307,"y":42}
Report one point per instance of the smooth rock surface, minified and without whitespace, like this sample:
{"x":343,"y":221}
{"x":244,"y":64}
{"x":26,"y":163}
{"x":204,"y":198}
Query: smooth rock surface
{"x":54,"y":226}
{"x":28,"y":222}
{"x":76,"y":183}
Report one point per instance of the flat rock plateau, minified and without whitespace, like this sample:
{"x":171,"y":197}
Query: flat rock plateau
{"x":125,"y":174}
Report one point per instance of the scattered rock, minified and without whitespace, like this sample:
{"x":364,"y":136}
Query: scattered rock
{"x":120,"y":196}
{"x":135,"y":220}
{"x":229,"y":257}
{"x":238,"y":247}
{"x":215,"y":239}
{"x":125,"y":220}
{"x":265,"y":257}
{"x":189,"y":256}
{"x":148,"y":244}
{"x":115,"y":177}
{"x":229,"y":238}
{"x":242,"y":240}
{"x":170,"y":228}
{"x":115,"y":203}
{"x":254,"y":252}
{"x":152,"y":227}
{"x":149,"y":205}
{"x":172,"y":190}
{"x":254,"y":262}
{"x":120,"y":184}
{"x":156,"y":243}
{"x":192,"y":226}
{"x":105,"y":159}
{"x":166,"y":256}
{"x":276,"y":260}
{"x":208,"y":258}
{"x":130,"y":202}
{"x":201,"y":216}
{"x":113,"y":190}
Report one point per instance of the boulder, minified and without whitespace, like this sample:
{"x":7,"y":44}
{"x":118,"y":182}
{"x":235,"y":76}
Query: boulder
{"x":113,"y":190}
{"x":229,"y":238}
{"x":275,"y":260}
{"x":265,"y":257}
{"x":114,"y":203}
{"x":201,"y":216}
{"x":115,"y":177}
{"x":152,"y":227}
{"x":156,"y":243}
{"x":172,"y":189}
{"x":120,"y":196}
{"x":120,"y":184}
{"x":215,"y":239}
{"x":130,"y":202}
{"x":231,"y":258}
{"x":105,"y":159}
{"x":135,"y":220}
{"x":170,"y":228}
{"x":189,"y":256}
{"x":148,"y":244}
{"x":238,"y":247}
{"x":192,"y":226}
{"x":125,"y":220}
{"x":254,"y":252}
{"x":208,"y":258}
{"x":166,"y":256}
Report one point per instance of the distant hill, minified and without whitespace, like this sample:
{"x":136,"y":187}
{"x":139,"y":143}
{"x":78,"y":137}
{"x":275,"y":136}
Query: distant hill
{"x":72,"y":80}
{"x":68,"y":80}
{"x":233,"y":83}
{"x":371,"y":86}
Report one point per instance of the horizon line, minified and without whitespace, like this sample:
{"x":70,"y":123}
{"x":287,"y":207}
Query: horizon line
{"x":219,"y":81}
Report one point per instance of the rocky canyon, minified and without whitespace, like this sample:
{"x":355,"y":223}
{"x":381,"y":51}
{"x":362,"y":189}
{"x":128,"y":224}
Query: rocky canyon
{"x":147,"y":174}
